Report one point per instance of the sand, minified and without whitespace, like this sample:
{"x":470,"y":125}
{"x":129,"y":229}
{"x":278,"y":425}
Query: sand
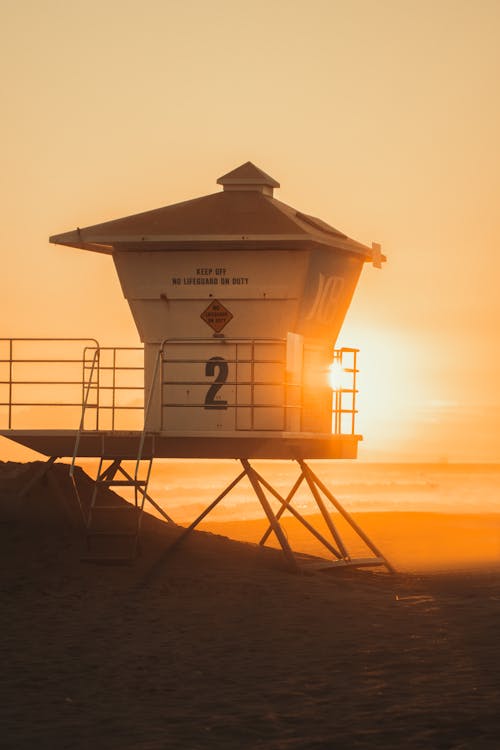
{"x":219,"y":647}
{"x":412,"y":542}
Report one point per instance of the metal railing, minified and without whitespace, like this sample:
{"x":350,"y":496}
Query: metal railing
{"x":57,"y":382}
{"x":104,"y":376}
{"x":237,"y":373}
{"x":249,"y":369}
{"x":102,"y":388}
{"x":23,"y":362}
{"x":345,"y":370}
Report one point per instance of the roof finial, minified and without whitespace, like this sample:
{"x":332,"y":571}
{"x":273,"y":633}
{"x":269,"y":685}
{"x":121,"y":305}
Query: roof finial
{"x":248,"y":177}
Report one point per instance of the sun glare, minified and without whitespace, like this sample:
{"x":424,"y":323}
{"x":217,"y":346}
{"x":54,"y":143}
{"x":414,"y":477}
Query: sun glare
{"x":336,"y":376}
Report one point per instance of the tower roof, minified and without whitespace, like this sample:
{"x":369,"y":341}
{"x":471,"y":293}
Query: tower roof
{"x":248,"y":177}
{"x":244,"y":215}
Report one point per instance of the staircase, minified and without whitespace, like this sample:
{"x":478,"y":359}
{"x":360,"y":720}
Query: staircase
{"x":112,"y":524}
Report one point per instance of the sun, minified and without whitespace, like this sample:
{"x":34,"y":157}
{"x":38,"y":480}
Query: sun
{"x":389,"y":389}
{"x":336,"y":375}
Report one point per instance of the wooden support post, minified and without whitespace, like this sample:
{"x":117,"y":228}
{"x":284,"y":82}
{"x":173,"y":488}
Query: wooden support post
{"x":185,"y":533}
{"x":350,"y":520}
{"x":254,"y":481}
{"x":286,"y":502}
{"x":148,"y":498}
{"x":37,"y":477}
{"x":207,"y":510}
{"x":110,"y":471}
{"x":308,"y":476}
{"x":286,"y":506}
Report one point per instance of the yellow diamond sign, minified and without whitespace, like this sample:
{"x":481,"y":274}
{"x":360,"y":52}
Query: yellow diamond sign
{"x":216,"y":316}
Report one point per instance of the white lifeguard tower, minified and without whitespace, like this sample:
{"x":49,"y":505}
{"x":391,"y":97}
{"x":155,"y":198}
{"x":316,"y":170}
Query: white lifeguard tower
{"x":238,"y":300}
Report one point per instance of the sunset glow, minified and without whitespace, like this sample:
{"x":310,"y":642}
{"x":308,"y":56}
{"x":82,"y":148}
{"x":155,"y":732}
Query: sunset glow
{"x":419,"y":175}
{"x":250,"y":374}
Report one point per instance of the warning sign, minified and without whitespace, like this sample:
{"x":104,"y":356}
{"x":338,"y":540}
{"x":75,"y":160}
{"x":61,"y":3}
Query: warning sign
{"x":216,"y":316}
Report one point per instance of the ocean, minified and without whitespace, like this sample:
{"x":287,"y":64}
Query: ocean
{"x":185,"y":488}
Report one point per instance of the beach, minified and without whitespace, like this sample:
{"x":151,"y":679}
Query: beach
{"x":217,"y":646}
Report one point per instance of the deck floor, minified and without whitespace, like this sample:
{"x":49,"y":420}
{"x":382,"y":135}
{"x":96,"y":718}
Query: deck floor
{"x":125,"y":444}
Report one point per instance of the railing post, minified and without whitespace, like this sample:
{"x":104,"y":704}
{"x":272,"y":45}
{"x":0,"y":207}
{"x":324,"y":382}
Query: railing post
{"x":98,"y":388}
{"x":10,"y":382}
{"x":147,"y":406}
{"x":252,"y":386}
{"x":338,"y":401}
{"x":354,"y":389}
{"x":113,"y":390}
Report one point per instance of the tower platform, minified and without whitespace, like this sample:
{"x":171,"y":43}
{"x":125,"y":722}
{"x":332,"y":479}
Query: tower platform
{"x":125,"y":444}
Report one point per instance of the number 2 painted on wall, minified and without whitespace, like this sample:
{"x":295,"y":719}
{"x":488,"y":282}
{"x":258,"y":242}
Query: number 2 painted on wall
{"x":220,"y":364}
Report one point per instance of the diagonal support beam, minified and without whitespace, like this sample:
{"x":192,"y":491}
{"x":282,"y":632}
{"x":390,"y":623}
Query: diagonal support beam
{"x":286,"y":506}
{"x":110,"y":471}
{"x":254,"y":481}
{"x":37,"y":477}
{"x":286,"y":502}
{"x":148,"y":498}
{"x":207,"y":510}
{"x":185,"y":533}
{"x":350,"y":520}
{"x":319,"y":502}
{"x":259,"y":484}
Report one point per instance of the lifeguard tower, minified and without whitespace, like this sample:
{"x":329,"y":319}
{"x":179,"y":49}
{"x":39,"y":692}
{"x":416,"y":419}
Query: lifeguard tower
{"x":238,"y":300}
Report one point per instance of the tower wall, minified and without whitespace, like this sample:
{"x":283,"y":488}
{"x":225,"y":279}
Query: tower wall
{"x":247,"y":335}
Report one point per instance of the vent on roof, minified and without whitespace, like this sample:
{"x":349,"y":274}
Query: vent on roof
{"x":319,"y":224}
{"x":248,"y":177}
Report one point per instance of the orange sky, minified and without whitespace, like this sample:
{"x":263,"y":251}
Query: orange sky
{"x":379,"y":116}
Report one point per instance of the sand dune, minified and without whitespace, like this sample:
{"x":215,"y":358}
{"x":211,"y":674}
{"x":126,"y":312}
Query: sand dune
{"x":219,"y":647}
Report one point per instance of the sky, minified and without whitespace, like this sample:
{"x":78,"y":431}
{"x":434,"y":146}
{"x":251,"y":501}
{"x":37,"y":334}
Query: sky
{"x":379,"y":116}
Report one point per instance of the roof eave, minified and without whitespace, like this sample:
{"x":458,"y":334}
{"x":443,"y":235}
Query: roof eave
{"x":237,"y":242}
{"x":108,"y":243}
{"x":74,"y":239}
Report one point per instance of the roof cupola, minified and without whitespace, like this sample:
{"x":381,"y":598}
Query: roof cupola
{"x":248,"y":177}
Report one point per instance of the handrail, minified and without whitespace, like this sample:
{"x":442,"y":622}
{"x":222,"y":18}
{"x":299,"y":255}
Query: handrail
{"x":248,"y":359}
{"x":338,"y":403}
{"x":11,"y":361}
{"x":35,"y":374}
{"x":343,"y":398}
{"x":114,"y":369}
{"x":156,"y":369}
{"x":95,"y":361}
{"x":147,"y":409}
{"x":106,"y":379}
